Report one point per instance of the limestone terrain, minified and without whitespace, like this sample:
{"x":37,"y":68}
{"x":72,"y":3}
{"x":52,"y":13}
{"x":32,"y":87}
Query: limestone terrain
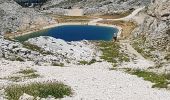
{"x":136,"y":67}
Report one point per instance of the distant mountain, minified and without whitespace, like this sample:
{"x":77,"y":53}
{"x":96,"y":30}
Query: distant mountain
{"x":31,"y":3}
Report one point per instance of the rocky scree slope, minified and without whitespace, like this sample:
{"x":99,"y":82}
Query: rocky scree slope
{"x":14,"y":17}
{"x":153,"y":35}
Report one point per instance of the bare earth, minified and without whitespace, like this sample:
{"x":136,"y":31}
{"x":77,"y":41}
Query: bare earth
{"x":75,"y":12}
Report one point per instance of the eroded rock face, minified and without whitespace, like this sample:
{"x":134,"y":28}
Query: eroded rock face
{"x":156,"y":27}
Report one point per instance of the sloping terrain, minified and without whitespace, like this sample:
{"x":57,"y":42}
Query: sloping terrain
{"x":95,"y":70}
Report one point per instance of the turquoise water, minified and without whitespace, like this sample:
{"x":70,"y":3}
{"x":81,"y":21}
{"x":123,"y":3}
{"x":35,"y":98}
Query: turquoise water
{"x":75,"y":33}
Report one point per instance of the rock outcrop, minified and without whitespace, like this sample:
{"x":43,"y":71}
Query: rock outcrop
{"x":49,"y":50}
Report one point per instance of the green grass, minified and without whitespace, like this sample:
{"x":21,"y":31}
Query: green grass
{"x":35,"y":48}
{"x":138,"y":45}
{"x":19,"y":59}
{"x":33,"y":75}
{"x":58,"y":64}
{"x":111,"y":52}
{"x":159,"y":80}
{"x":14,"y":78}
{"x":83,"y":62}
{"x":167,"y":57}
{"x":42,"y":90}
{"x":27,"y":73}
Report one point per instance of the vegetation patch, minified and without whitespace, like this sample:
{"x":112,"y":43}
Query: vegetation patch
{"x":167,"y":57}
{"x":19,"y":59}
{"x":27,"y":71}
{"x":58,"y":64}
{"x":138,"y":45}
{"x":111,"y":52}
{"x":116,"y":15}
{"x":35,"y":48}
{"x":25,"y":74}
{"x":42,"y":90}
{"x":87,"y":62}
{"x":159,"y":80}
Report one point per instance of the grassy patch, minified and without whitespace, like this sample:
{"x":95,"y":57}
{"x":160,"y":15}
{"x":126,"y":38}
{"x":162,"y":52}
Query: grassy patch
{"x":26,"y":74}
{"x":111,"y":52}
{"x":19,"y":59}
{"x":138,"y":45}
{"x":159,"y":80}
{"x":116,"y":15}
{"x":58,"y":64}
{"x":83,"y":62}
{"x":14,"y":78}
{"x":167,"y":57}
{"x":42,"y":90}
{"x":35,"y":48}
{"x":27,"y":71}
{"x":86,"y":62}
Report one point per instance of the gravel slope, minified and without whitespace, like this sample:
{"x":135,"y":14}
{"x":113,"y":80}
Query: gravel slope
{"x":90,"y":82}
{"x":97,"y":82}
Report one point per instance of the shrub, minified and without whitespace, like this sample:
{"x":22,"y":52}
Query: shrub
{"x":27,"y":71}
{"x":58,"y":64}
{"x":19,"y":59}
{"x":42,"y":90}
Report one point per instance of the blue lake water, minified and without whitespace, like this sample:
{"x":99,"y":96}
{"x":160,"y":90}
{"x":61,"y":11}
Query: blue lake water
{"x":75,"y":33}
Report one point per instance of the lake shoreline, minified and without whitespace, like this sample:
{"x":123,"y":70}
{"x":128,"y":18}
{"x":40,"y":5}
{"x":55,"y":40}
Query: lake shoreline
{"x":72,"y":23}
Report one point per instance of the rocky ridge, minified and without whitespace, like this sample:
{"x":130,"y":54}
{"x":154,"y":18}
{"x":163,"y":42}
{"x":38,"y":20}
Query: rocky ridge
{"x":95,"y":6}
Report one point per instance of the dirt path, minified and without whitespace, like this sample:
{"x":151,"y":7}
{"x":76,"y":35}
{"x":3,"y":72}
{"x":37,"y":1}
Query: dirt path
{"x":134,"y":13}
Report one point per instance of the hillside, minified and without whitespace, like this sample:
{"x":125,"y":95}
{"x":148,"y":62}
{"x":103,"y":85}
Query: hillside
{"x":16,"y":18}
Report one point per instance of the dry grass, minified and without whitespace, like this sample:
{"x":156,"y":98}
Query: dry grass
{"x":115,"y":15}
{"x":64,"y":19}
{"x":127,"y":27}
